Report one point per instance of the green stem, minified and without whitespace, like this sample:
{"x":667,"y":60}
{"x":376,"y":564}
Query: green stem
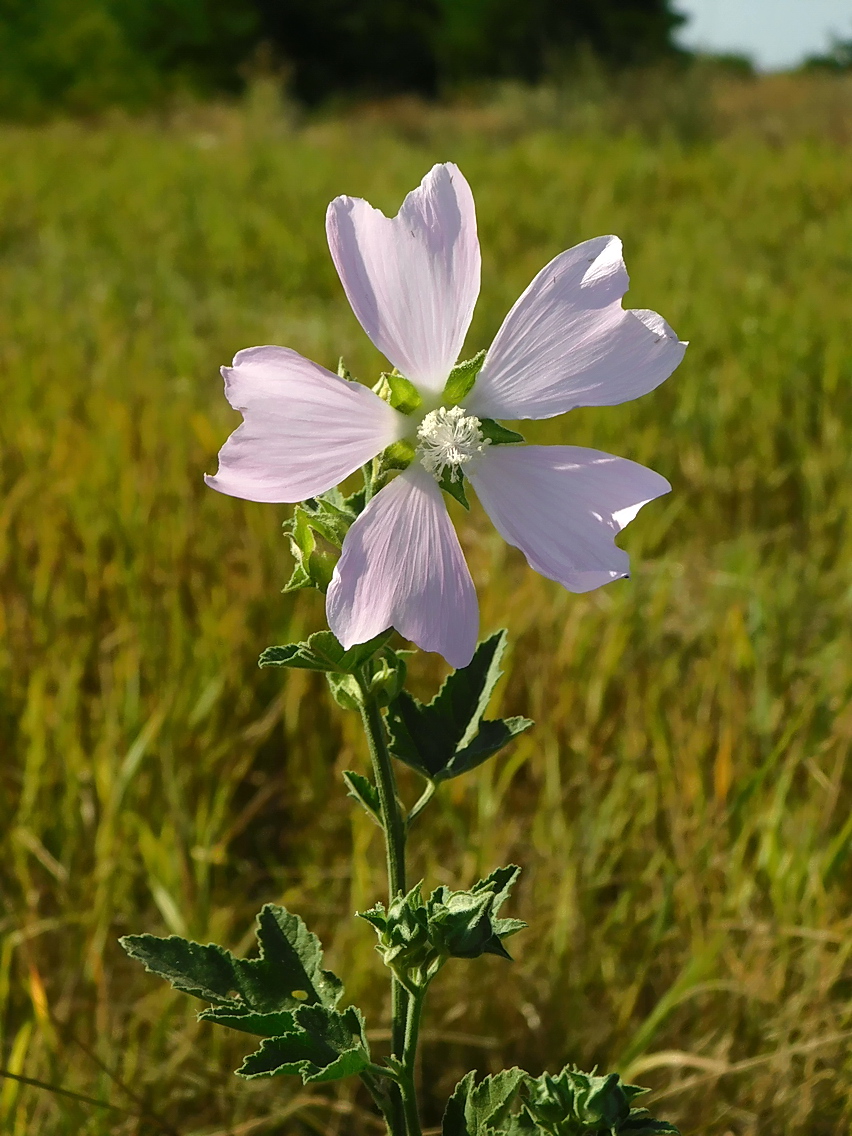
{"x":409,"y":1057}
{"x":394,"y":830}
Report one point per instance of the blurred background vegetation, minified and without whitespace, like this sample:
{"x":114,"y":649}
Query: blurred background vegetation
{"x":85,"y":55}
{"x":682,"y":810}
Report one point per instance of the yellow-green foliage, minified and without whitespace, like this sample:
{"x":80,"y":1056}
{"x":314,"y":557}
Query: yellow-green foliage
{"x":681,"y":811}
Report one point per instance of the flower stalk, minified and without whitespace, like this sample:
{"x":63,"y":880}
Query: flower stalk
{"x":394,"y":829}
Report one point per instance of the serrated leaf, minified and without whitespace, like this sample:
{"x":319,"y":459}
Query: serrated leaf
{"x":344,"y":690}
{"x":492,"y":736}
{"x":323,"y":1046}
{"x":454,"y":486}
{"x":641,"y":1123}
{"x":479,"y":1110}
{"x":270,"y":1024}
{"x":323,"y":652}
{"x":448,"y":736}
{"x":461,"y":379}
{"x":364,"y":792}
{"x":497,"y":434}
{"x":287,"y":974}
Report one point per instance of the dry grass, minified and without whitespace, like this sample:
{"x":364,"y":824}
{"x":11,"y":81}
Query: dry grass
{"x":682,"y":810}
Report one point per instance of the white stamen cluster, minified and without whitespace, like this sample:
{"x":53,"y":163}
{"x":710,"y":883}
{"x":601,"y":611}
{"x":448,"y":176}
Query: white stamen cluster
{"x":449,"y":439}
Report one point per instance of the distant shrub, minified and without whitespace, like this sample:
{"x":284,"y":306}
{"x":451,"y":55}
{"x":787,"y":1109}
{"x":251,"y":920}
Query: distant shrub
{"x":84,"y":55}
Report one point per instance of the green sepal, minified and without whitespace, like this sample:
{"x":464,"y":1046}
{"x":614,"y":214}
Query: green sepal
{"x":313,"y":565}
{"x":287,"y":974}
{"x":365,"y":793}
{"x":323,"y":1045}
{"x":454,"y":486}
{"x":464,"y":924}
{"x":398,"y":391}
{"x":404,"y":942}
{"x":448,"y":736}
{"x":480,"y":1110}
{"x":398,"y":455}
{"x":323,"y":652}
{"x":343,"y":371}
{"x":497,"y":434}
{"x":461,"y":379}
{"x":329,"y":515}
{"x":574,"y":1103}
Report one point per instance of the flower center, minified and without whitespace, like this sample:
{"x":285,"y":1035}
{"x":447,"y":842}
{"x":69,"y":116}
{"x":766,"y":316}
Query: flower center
{"x":449,"y":439}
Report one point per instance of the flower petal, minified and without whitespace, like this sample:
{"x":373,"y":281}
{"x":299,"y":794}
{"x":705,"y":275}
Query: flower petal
{"x":413,"y":279}
{"x":304,"y":429}
{"x":563,"y":506}
{"x":402,"y":567}
{"x":568,"y":342}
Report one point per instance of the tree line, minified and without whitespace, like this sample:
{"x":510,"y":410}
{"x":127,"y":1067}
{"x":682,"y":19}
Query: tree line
{"x":84,"y":55}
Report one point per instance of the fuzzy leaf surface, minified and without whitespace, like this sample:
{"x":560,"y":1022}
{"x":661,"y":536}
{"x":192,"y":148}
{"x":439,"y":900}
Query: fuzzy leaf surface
{"x":479,"y":1110}
{"x":323,"y":1045}
{"x":323,"y":652}
{"x":286,"y":975}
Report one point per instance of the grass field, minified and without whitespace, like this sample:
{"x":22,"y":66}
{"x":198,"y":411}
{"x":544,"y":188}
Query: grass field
{"x":683,"y":810}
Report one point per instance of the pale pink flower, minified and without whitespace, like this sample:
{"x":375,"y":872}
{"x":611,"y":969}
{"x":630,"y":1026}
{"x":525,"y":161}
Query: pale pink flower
{"x":412,"y":281}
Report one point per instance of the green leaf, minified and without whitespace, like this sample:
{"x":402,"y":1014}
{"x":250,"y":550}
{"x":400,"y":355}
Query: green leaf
{"x":345,"y":690}
{"x":322,"y":652}
{"x":461,"y":379}
{"x":324,"y":1045}
{"x":479,"y":1110}
{"x":454,"y":485}
{"x":269,"y":1024}
{"x":402,"y":394}
{"x":497,"y":434}
{"x":286,"y":975}
{"x":364,"y":792}
{"x":448,"y":736}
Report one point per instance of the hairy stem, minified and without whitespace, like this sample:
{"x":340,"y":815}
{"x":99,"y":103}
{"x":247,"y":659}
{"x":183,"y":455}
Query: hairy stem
{"x":394,"y":830}
{"x":409,"y":1058}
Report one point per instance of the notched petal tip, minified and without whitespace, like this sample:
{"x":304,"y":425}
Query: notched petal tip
{"x":412,"y":279}
{"x":563,"y":506}
{"x":568,"y":341}
{"x":304,"y":428}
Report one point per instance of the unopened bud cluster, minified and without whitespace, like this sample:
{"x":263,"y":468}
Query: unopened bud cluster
{"x":416,"y":937}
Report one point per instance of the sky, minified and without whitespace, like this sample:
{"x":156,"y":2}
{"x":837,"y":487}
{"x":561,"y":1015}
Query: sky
{"x":776,"y":33}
